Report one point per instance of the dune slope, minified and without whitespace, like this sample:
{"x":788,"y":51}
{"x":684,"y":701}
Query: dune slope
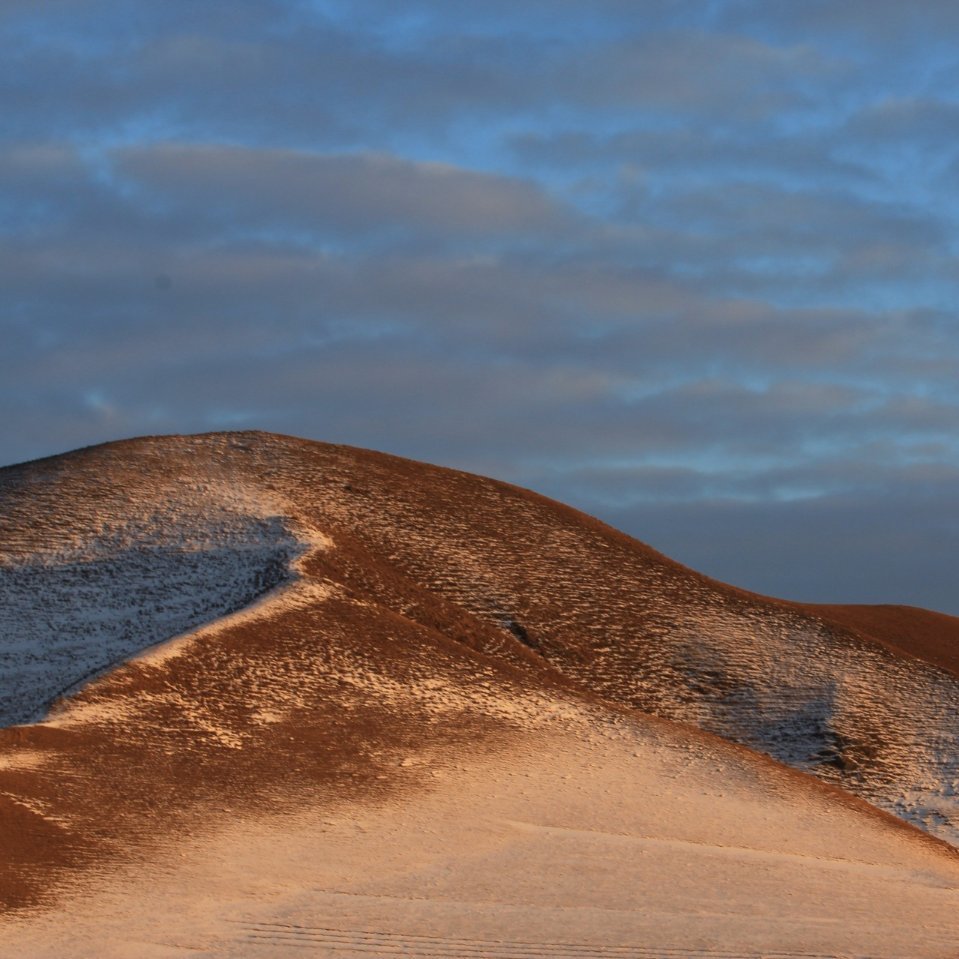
{"x":347,"y":638}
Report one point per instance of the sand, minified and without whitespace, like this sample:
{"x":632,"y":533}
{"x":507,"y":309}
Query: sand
{"x":581,"y":841}
{"x":325,"y":700}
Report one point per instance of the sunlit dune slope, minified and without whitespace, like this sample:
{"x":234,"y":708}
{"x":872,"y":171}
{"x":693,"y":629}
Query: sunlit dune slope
{"x":574,"y":834}
{"x":931,"y":636}
{"x":339,"y":613}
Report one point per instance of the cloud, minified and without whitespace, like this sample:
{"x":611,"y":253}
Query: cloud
{"x":232,"y":71}
{"x":348,"y":194}
{"x":694,"y":73}
{"x":695,"y":153}
{"x":870,"y":21}
{"x":42,"y":184}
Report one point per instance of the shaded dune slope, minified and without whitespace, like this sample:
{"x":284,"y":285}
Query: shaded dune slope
{"x":397,"y":607}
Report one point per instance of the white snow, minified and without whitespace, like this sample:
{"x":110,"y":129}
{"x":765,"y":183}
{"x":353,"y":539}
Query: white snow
{"x":121,"y":570}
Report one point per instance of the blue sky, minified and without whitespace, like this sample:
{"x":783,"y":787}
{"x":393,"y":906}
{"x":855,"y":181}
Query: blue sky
{"x":689,"y":266}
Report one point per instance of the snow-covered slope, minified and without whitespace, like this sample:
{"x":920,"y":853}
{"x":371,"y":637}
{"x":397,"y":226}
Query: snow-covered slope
{"x":403,"y":611}
{"x":99,"y":560}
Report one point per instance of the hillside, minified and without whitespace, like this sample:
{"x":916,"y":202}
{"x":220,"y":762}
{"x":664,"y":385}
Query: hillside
{"x":348,"y":640}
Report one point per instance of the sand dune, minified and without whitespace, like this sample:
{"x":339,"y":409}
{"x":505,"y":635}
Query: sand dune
{"x":355,"y":705}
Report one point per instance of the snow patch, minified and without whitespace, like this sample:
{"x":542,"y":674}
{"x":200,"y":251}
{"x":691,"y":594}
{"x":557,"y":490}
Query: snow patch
{"x":85,"y":590}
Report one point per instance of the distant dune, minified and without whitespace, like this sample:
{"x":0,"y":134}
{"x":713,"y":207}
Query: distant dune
{"x":262,"y":694}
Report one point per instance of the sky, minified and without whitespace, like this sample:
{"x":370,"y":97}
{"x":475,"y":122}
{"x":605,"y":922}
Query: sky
{"x":688,"y":266}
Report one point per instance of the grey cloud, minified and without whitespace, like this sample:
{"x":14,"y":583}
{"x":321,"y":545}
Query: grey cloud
{"x":239,"y":70}
{"x":272,"y":71}
{"x":537,"y":309}
{"x":570,"y":401}
{"x":905,"y":123}
{"x":793,"y":219}
{"x":757,"y":227}
{"x":696,"y":72}
{"x":694,"y":153}
{"x":886,"y":20}
{"x":354,"y":193}
{"x":790,"y":422}
{"x":763,"y":240}
{"x":43,"y":186}
{"x":873,"y":468}
{"x":893,"y":546}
